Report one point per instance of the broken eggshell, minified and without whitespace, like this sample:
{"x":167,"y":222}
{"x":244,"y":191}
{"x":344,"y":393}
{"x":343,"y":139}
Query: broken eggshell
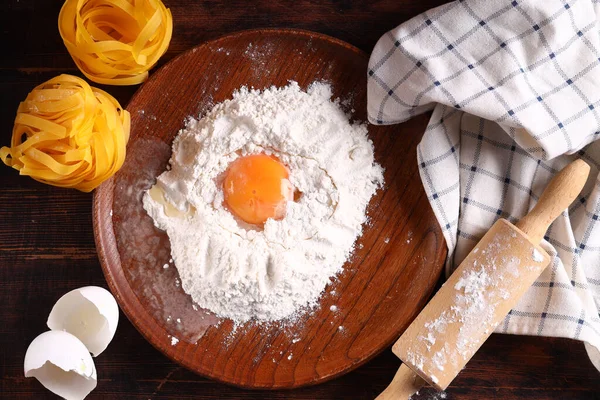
{"x":62,"y":364}
{"x":90,"y":313}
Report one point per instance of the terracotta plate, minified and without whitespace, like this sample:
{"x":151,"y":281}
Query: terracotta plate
{"x":388,"y":280}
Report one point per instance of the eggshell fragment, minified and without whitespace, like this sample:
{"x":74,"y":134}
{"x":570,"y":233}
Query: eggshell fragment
{"x":90,"y":313}
{"x":62,"y":364}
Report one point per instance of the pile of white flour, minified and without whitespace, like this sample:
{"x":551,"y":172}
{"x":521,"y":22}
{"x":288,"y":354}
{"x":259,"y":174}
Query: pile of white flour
{"x":243,"y":272}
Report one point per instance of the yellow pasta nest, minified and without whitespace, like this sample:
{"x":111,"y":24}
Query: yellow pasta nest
{"x":115,"y":42}
{"x":68,"y":134}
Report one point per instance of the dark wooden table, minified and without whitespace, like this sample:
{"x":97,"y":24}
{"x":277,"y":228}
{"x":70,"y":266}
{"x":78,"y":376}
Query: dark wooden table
{"x":47,"y":245}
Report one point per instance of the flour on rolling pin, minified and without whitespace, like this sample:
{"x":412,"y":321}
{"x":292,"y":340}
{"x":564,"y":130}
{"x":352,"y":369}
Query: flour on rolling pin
{"x":481,"y":292}
{"x":483,"y":284}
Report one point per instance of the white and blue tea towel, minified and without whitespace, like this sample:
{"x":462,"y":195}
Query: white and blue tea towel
{"x":514,"y":87}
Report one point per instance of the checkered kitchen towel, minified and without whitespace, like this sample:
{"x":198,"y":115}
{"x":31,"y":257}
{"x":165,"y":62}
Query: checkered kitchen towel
{"x":515,"y":91}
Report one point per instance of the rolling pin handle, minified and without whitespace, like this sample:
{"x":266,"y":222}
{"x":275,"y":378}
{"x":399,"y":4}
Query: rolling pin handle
{"x":405,"y":384}
{"x":558,"y":195}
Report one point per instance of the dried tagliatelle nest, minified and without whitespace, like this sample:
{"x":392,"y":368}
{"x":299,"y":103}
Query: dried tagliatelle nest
{"x":68,"y":134}
{"x":115,"y":42}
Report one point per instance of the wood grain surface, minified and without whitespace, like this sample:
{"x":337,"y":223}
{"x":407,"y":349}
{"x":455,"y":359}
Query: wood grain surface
{"x":47,"y":244}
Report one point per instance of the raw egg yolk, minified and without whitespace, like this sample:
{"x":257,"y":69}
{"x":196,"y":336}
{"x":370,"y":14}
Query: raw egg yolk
{"x":257,"y":188}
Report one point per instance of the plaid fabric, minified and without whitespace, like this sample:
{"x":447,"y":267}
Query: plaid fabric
{"x":515,"y":91}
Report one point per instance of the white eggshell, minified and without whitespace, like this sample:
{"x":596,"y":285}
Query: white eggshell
{"x":90,"y":313}
{"x":62,"y":364}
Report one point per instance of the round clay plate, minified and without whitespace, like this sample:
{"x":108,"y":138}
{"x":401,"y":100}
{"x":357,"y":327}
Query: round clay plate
{"x":383,"y":286}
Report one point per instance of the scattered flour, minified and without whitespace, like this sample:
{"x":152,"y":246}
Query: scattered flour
{"x":430,"y":338}
{"x":243,"y":272}
{"x":473,"y":282}
{"x":439,"y":359}
{"x":428,"y":395}
{"x":174,"y":340}
{"x":537,"y":256}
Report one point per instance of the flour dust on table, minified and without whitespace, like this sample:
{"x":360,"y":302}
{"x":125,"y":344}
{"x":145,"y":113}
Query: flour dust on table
{"x":263,"y":200}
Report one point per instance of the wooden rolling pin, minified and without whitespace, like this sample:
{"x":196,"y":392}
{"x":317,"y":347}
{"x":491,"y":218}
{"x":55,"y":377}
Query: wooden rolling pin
{"x":480,"y":293}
